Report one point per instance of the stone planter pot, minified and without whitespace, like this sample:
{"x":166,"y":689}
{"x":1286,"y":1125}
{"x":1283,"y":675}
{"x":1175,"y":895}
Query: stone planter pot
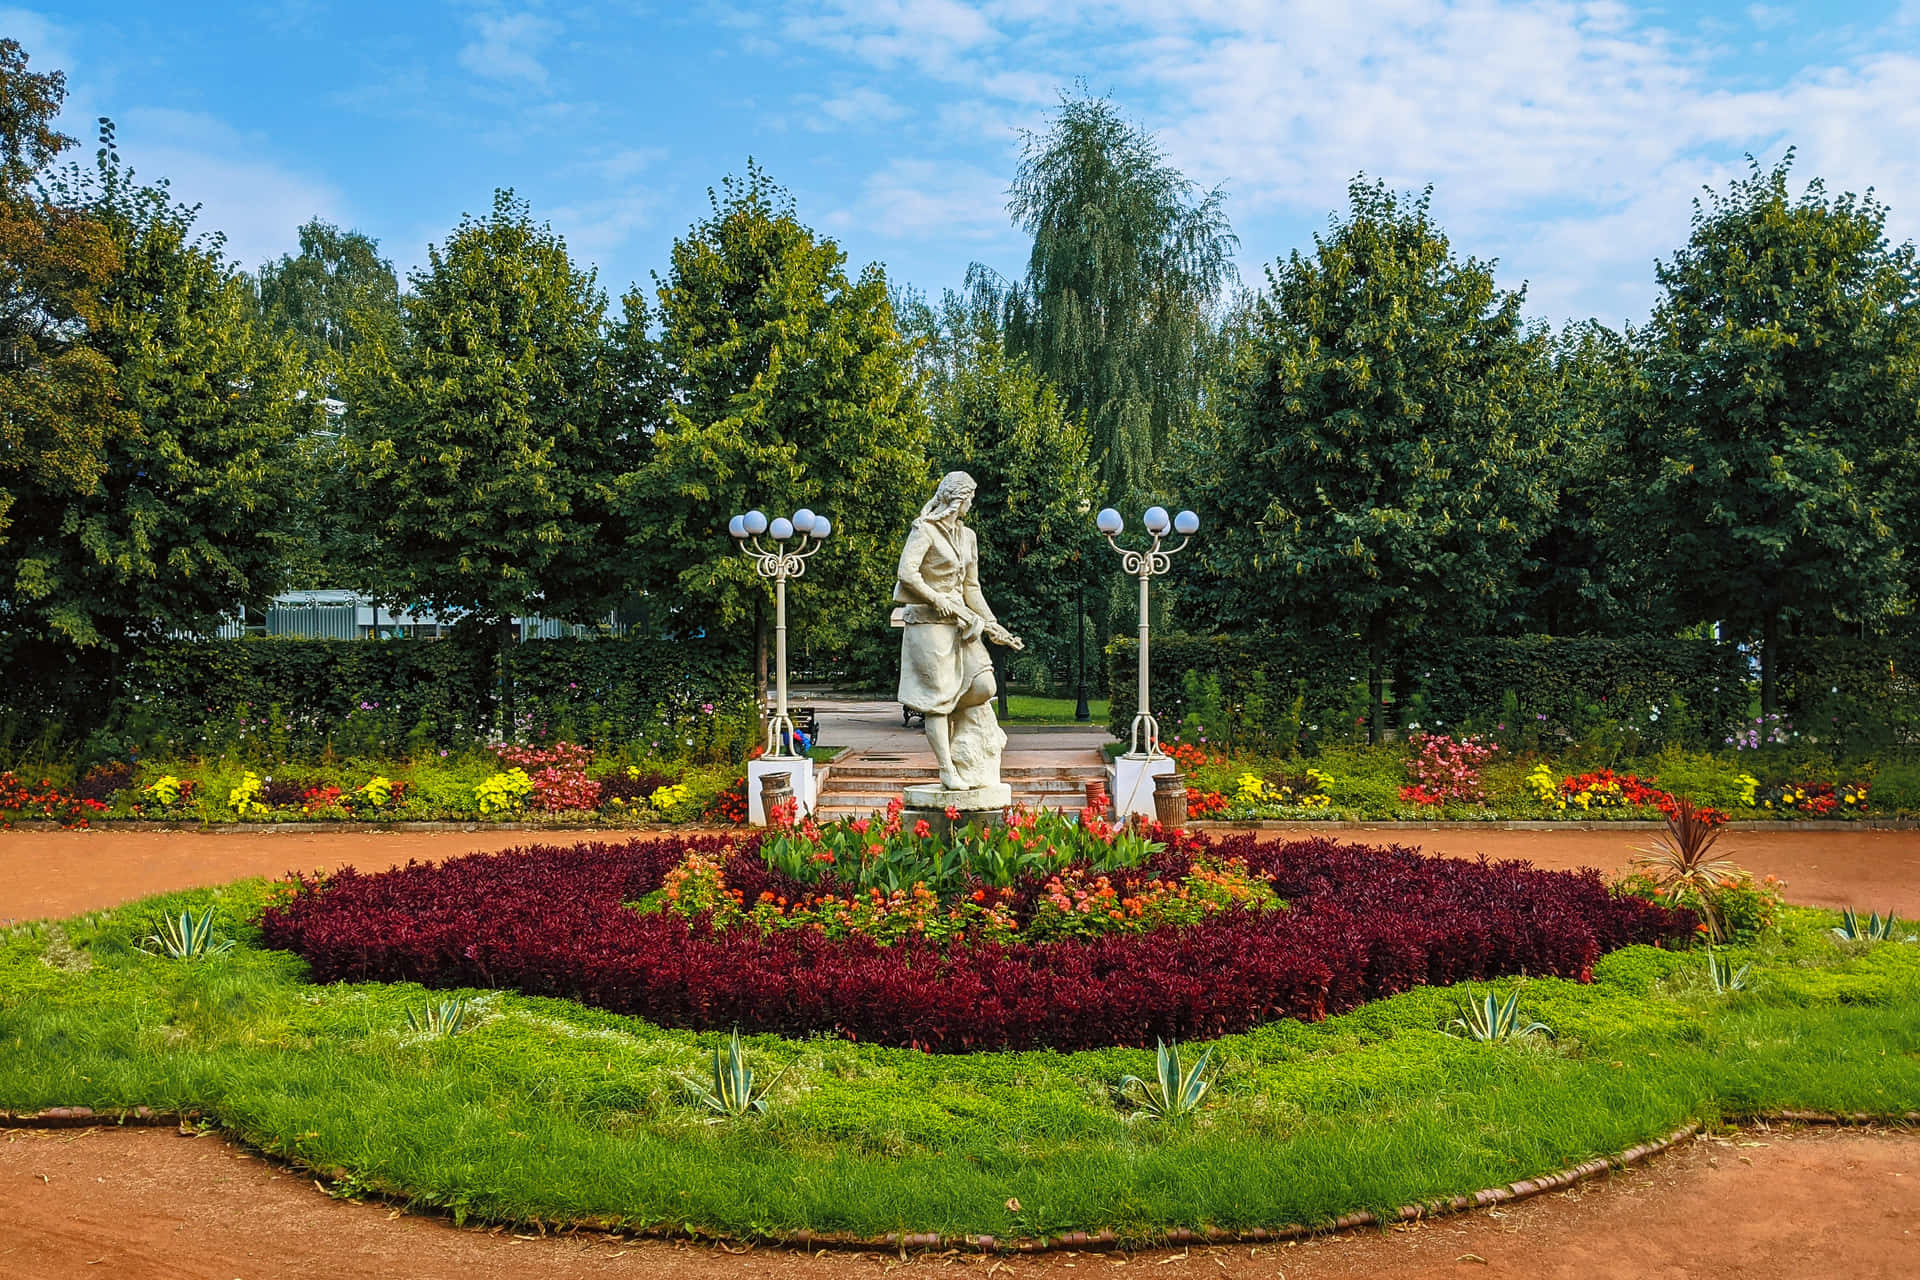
{"x":775,"y":789}
{"x":1170,"y":800}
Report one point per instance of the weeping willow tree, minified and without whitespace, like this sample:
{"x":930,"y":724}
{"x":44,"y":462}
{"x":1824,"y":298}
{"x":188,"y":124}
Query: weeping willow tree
{"x":1128,"y":260}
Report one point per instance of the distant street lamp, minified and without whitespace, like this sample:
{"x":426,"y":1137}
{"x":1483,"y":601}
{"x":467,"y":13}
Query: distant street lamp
{"x":1144,"y":737}
{"x":779,"y":564}
{"x":1082,"y":712}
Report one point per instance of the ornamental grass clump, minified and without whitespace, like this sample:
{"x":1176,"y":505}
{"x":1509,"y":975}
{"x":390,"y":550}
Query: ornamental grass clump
{"x":1874,"y":928}
{"x":728,"y":1091}
{"x":186,"y":937}
{"x":1173,"y":1094}
{"x":1489,"y":1018}
{"x":1682,"y":868}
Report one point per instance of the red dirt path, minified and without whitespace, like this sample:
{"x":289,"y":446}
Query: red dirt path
{"x":62,"y":873}
{"x":1785,"y":1205}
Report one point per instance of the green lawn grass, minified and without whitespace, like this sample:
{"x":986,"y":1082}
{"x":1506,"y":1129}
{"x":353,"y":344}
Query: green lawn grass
{"x":547,"y":1110}
{"x":1026,"y":709}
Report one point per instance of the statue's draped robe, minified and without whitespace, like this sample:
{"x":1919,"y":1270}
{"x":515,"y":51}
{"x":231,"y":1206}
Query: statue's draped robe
{"x":942,"y":558}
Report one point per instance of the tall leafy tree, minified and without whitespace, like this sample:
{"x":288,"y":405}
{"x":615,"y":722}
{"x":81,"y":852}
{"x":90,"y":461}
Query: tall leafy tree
{"x":786,"y":386}
{"x":1128,"y":261}
{"x":332,"y":293}
{"x":478,"y":437}
{"x":996,"y":419}
{"x":181,"y":524}
{"x":1779,"y":396}
{"x":59,"y":401}
{"x":1385,"y":469}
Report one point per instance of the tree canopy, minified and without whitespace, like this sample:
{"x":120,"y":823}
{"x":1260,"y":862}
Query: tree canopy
{"x":477,"y":436}
{"x":788,"y":388}
{"x":1779,"y":394}
{"x":1386,"y":466}
{"x":1127,"y":263}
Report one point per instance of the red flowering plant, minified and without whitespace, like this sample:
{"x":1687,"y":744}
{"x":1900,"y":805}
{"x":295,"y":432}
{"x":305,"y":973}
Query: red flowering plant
{"x":730,"y":805}
{"x":1446,"y":770}
{"x":1205,"y":804}
{"x":559,"y":774}
{"x":24,"y":800}
{"x":1819,"y":799}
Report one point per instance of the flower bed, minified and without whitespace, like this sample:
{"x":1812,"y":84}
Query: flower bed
{"x":1361,"y":923}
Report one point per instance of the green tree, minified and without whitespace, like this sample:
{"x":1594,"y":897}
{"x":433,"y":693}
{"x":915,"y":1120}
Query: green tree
{"x":1126,"y":267}
{"x":59,"y":403}
{"x":788,"y":388}
{"x":1590,"y":571}
{"x":996,"y":419}
{"x":477,"y":437}
{"x":181,"y":525}
{"x":1779,"y":394}
{"x":1385,"y":468}
{"x":332,"y":294}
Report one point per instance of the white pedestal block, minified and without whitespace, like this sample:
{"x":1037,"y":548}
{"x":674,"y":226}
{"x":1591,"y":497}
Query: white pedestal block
{"x":996,"y":795}
{"x":1130,"y":782}
{"x":803,"y":785}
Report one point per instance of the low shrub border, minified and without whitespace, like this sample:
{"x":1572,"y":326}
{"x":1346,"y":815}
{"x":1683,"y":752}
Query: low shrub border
{"x":1363,"y":923}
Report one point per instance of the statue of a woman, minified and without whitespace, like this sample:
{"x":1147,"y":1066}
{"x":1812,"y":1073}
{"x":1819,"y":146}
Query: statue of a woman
{"x":944,"y":668}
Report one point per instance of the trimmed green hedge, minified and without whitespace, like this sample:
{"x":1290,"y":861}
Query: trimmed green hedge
{"x":287,"y":699}
{"x":1660,"y":689}
{"x":1268,"y":692}
{"x":1860,"y":695}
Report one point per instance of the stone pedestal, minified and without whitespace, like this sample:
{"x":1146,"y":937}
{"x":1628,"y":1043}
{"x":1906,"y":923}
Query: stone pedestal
{"x":1131,"y":780}
{"x":983,"y":806}
{"x":804,"y":788}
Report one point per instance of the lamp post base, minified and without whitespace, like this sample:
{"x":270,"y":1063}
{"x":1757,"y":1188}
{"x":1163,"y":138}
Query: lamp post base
{"x":1131,"y":782}
{"x":805,"y":791}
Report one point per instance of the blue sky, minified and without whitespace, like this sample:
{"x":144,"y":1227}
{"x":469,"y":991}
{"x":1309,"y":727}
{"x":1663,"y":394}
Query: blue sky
{"x":1565,"y":139}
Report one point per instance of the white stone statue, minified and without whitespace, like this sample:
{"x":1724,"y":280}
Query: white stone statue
{"x":945,"y":672}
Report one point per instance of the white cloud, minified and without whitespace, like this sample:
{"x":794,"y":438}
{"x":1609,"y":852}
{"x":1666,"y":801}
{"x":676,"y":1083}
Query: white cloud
{"x":1566,"y":138}
{"x":508,"y":48}
{"x":242,"y":191}
{"x":916,"y":198}
{"x":856,"y":108}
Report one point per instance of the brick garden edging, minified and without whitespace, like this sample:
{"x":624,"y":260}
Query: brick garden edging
{"x":1525,"y":1189}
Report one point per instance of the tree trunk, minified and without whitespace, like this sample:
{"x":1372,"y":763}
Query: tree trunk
{"x":1376,"y":679}
{"x":506,"y":635}
{"x":1769,"y":657}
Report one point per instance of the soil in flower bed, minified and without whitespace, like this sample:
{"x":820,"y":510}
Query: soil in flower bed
{"x":1362,"y":923}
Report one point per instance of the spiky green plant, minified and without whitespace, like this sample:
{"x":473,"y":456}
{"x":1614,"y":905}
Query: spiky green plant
{"x":442,"y":1018}
{"x":1724,"y":977}
{"x":1680,"y":863}
{"x":731,"y":1094}
{"x":186,"y":937}
{"x":1873,"y":929}
{"x":1173,"y":1094}
{"x":1490,"y":1018}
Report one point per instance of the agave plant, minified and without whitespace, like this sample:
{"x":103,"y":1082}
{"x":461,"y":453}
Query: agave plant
{"x":186,"y":938}
{"x":1680,"y":862}
{"x":1724,"y":976}
{"x":1873,"y":929}
{"x":444,"y":1018}
{"x":731,"y":1094}
{"x":1490,"y":1018}
{"x":1173,"y":1094}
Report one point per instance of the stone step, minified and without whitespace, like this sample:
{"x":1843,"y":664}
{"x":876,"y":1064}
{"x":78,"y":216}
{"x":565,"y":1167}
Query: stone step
{"x":1007,"y":773}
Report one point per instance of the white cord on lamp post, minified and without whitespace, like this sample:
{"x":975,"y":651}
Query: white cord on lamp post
{"x":1144,"y":737}
{"x":779,"y":564}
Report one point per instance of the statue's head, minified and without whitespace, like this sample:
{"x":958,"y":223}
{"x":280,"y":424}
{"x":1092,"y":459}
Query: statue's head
{"x":953,"y":497}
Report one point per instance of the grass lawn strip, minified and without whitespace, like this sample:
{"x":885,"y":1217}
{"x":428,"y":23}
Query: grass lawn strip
{"x":547,"y":1110}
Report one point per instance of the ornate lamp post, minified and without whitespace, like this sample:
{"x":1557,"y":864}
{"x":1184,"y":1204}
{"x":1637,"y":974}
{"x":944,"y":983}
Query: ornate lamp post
{"x":1144,"y":759}
{"x":780,"y":563}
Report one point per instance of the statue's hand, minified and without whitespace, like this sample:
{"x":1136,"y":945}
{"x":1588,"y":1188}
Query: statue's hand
{"x":1000,"y":635}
